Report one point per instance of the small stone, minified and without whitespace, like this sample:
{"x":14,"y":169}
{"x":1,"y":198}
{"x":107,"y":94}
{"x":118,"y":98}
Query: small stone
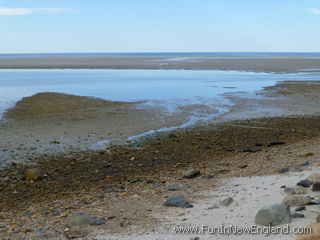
{"x":191,"y":174}
{"x":97,"y":222}
{"x":297,"y":170}
{"x":273,"y":215}
{"x":289,"y":190}
{"x":243,"y":165}
{"x":299,"y":209}
{"x":27,"y":215}
{"x":316,"y":187}
{"x":313,"y":178}
{"x":171,"y":135}
{"x":75,"y":233}
{"x":308,"y":154}
{"x":58,"y":212}
{"x":77,"y":220}
{"x":224,"y":171}
{"x":296,"y":190}
{"x":296,"y":200}
{"x":177,"y":201}
{"x":300,"y":190}
{"x":318,"y":218}
{"x":33,"y":174}
{"x":226,"y":202}
{"x":213,"y":207}
{"x":195,"y":238}
{"x":276,"y":143}
{"x":174,"y":188}
{"x":283,"y":170}
{"x":45,"y":211}
{"x":304,"y":164}
{"x":207,"y":177}
{"x":151,"y":181}
{"x":297,"y":215}
{"x":252,"y":150}
{"x":304,"y":183}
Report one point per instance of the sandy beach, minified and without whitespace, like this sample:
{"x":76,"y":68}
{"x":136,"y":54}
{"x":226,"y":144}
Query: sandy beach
{"x":254,"y":64}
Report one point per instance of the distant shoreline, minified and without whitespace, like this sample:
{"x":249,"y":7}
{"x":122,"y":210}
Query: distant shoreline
{"x":240,"y":63}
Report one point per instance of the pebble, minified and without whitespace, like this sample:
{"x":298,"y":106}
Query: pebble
{"x":241,"y":166}
{"x":177,"y":201}
{"x":313,"y":178}
{"x":296,"y":190}
{"x":207,"y":177}
{"x":27,"y":215}
{"x":58,"y":212}
{"x":97,"y":222}
{"x":174,"y":188}
{"x":74,"y":234}
{"x":304,"y":183}
{"x":316,"y":187}
{"x":304,"y":164}
{"x":296,"y":200}
{"x":299,"y":209}
{"x":171,"y":135}
{"x":297,"y":215}
{"x":308,"y":154}
{"x":191,"y":174}
{"x":33,"y":174}
{"x":77,"y":220}
{"x":226,"y":202}
{"x":213,"y":207}
{"x":276,"y":143}
{"x":283,"y":170}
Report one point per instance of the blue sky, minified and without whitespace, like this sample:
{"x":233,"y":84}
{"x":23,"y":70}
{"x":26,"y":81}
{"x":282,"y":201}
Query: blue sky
{"x":31,"y":26}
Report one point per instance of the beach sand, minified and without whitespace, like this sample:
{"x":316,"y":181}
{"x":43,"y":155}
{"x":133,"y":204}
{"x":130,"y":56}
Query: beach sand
{"x":255,"y":64}
{"x":248,"y":193}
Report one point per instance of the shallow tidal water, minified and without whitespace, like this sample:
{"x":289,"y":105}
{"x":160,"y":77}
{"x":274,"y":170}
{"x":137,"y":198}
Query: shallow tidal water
{"x":169,"y":88}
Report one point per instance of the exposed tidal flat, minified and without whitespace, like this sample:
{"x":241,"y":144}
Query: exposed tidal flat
{"x":252,"y":129}
{"x":53,"y":105}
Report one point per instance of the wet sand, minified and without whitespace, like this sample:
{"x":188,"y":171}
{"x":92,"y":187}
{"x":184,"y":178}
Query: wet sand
{"x":255,"y":64}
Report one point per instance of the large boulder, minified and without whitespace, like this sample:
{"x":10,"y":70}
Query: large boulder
{"x":273,"y":215}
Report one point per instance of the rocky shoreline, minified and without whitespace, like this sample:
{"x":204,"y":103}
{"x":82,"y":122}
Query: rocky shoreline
{"x":125,"y":186}
{"x":126,"y":190}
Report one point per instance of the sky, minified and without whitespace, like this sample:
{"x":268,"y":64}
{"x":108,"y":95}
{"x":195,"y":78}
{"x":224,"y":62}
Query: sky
{"x":56,"y":26}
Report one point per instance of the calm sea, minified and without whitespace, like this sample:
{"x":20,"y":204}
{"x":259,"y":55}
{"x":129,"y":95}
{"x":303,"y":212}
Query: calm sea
{"x":169,"y":88}
{"x":166,"y":55}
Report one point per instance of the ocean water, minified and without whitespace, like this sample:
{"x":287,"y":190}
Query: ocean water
{"x":166,"y":55}
{"x":168,"y":88}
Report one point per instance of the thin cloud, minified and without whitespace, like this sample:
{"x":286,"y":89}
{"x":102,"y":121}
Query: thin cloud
{"x":315,"y":10}
{"x":26,"y":11}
